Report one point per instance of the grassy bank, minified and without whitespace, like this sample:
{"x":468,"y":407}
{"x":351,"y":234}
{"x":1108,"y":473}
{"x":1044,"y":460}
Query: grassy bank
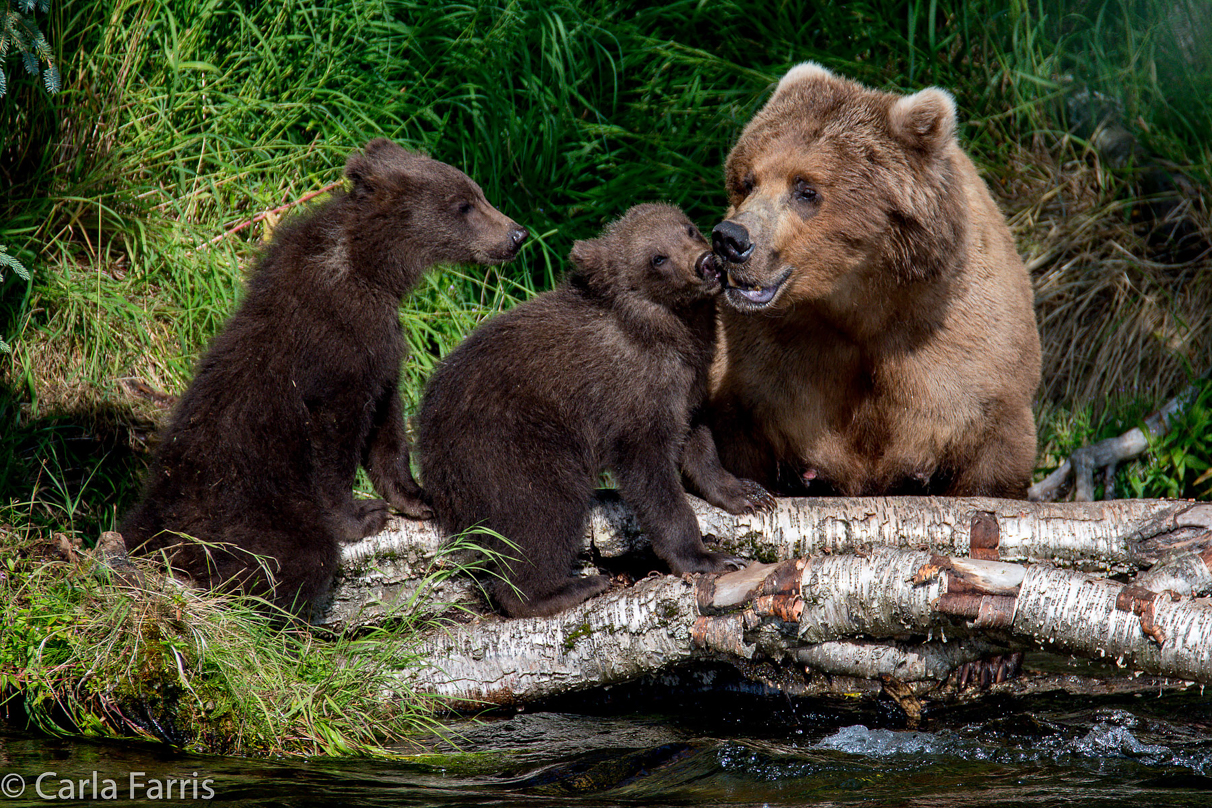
{"x":179,"y":120}
{"x":131,"y":654}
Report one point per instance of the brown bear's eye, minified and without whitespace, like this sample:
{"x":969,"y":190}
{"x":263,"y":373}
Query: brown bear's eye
{"x":692,"y":231}
{"x":465,"y":208}
{"x":803,"y":192}
{"x":658,"y":260}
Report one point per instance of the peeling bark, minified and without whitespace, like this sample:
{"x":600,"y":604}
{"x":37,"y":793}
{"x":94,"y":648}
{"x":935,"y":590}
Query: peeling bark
{"x":615,"y":637}
{"x":382,"y":571}
{"x":823,"y":613}
{"x":918,"y":591}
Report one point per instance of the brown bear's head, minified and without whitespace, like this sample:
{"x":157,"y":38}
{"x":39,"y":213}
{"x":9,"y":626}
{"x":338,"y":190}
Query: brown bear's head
{"x":836,"y":191}
{"x":407,"y":201}
{"x":653,"y":250}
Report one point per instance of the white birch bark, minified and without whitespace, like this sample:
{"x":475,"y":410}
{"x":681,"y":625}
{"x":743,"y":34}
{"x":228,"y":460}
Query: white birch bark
{"x":1095,"y":533}
{"x":1187,"y":575}
{"x":615,"y":637}
{"x":870,"y":659}
{"x":1077,"y":614}
{"x":823,"y":612}
{"x":381,"y":572}
{"x":848,"y":596}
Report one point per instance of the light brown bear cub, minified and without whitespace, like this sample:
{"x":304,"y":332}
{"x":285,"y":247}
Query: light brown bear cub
{"x":878,"y":336}
{"x":606,"y":371}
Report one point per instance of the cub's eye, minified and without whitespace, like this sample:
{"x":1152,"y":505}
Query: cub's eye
{"x":465,"y":208}
{"x":748,"y":184}
{"x":803,"y":192}
{"x":659,"y":260}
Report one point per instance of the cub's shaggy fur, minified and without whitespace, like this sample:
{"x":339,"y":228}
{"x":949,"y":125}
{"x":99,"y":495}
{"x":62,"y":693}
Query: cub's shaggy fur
{"x":607,"y":371}
{"x":301,"y":385}
{"x":878,"y":336}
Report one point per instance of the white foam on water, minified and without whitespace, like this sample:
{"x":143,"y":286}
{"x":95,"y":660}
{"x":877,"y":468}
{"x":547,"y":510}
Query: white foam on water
{"x":859,"y":740}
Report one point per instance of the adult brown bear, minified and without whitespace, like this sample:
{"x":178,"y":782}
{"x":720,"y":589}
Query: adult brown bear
{"x":878,"y":334}
{"x":300,"y":387}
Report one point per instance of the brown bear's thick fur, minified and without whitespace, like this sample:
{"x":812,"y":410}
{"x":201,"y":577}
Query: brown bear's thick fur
{"x":301,"y":385}
{"x":879,"y":336}
{"x":606,"y":371}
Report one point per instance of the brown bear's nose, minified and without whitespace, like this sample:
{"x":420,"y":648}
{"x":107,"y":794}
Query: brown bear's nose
{"x":730,"y":241}
{"x":518,"y":236}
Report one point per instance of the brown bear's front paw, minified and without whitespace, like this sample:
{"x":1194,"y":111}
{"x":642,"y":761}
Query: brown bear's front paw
{"x":989,"y":670}
{"x":366,"y":518}
{"x":737,"y":496}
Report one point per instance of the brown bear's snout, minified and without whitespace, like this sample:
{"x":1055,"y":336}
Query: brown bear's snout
{"x":730,"y":241}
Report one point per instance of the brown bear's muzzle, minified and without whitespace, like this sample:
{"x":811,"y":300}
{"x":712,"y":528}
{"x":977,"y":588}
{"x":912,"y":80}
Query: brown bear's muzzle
{"x":752,"y":277}
{"x":731,"y":242}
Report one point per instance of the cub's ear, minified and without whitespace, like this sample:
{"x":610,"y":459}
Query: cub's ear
{"x":361,"y":172}
{"x":589,"y":264}
{"x":378,"y":158}
{"x":586,"y":256}
{"x":924,"y":120}
{"x":381,"y":147}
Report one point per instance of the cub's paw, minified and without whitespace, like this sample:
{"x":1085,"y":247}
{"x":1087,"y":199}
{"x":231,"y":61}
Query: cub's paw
{"x":364,"y":517}
{"x":709,"y":563}
{"x":755,"y":497}
{"x":412,"y":505}
{"x":741,"y":496}
{"x":371,"y":515}
{"x":572,"y":592}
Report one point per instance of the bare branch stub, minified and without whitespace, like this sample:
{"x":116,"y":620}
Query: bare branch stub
{"x":1108,"y":454}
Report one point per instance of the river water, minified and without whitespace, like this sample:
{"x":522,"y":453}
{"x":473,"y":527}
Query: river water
{"x":651,"y":748}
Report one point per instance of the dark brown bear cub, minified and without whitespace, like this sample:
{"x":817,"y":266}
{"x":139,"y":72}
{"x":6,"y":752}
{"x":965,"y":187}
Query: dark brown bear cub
{"x":301,"y":385}
{"x":607,"y":371}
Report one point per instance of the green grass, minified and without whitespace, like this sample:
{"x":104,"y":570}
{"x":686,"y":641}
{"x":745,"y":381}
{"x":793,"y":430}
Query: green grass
{"x":85,"y":652}
{"x":178,"y":120}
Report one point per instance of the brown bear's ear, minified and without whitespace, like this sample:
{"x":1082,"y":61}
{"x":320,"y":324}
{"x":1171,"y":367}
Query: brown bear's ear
{"x":924,"y":120}
{"x":802,"y":72}
{"x":380,"y":146}
{"x":584,"y":255}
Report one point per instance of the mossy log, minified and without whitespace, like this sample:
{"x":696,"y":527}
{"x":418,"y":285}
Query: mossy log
{"x":921,"y":595}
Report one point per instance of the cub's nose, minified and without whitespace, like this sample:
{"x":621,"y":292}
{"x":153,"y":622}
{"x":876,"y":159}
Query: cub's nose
{"x":518,"y":236}
{"x":730,"y":241}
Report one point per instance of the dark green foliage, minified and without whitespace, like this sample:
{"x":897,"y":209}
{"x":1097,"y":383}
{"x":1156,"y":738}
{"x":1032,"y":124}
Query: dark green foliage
{"x":179,"y":119}
{"x":21,"y":37}
{"x":1179,"y":463}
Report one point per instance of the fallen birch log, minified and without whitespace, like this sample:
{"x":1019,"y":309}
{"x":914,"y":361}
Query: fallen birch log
{"x":793,"y":609}
{"x":1125,"y":536}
